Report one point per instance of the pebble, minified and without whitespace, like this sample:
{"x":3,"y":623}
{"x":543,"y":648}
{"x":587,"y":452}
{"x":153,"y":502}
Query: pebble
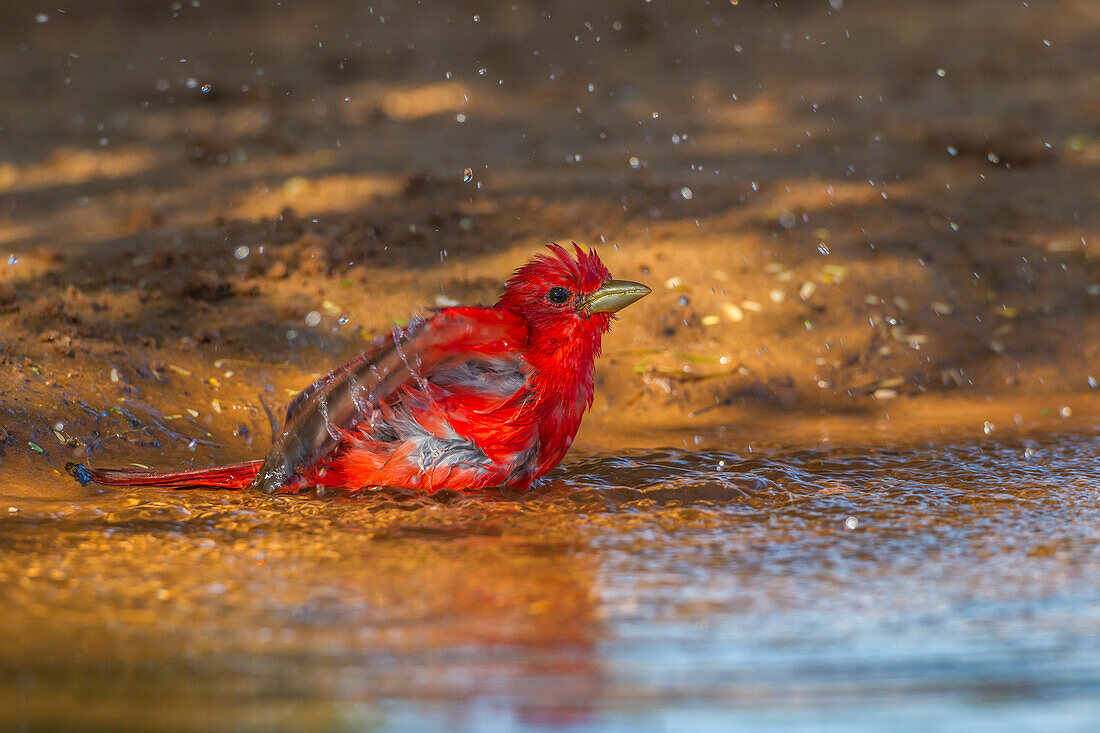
{"x":733,"y":312}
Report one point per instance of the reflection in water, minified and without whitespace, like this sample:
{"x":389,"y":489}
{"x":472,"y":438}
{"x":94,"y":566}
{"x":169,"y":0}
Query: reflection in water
{"x":851,"y":587}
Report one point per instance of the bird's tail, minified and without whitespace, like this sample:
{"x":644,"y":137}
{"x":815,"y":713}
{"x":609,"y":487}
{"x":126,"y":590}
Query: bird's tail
{"x":234,"y":476}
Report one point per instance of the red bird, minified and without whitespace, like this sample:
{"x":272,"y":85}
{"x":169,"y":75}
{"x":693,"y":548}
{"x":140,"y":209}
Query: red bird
{"x":469,"y":398}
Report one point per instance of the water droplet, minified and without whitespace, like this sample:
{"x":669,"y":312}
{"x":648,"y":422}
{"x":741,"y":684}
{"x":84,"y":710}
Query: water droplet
{"x":482,"y":71}
{"x":941,"y":73}
{"x":988,"y":427}
{"x":313,"y":318}
{"x":342,"y":320}
{"x":635,"y":163}
{"x":207,"y":88}
{"x":477,"y":18}
{"x":460,"y":117}
{"x":193,"y":444}
{"x":823,"y":248}
{"x":42,"y":18}
{"x":683,"y":300}
{"x":952,"y":150}
{"x":851,"y":523}
{"x":1065,"y":412}
{"x":686,"y":193}
{"x":467,"y":175}
{"x":13,"y":260}
{"x":241,"y":252}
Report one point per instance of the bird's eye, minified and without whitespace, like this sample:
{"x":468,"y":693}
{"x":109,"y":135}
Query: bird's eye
{"x":557,"y":296}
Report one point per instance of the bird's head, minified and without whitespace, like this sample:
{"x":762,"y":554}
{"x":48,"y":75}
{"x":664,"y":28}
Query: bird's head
{"x":568,"y":299}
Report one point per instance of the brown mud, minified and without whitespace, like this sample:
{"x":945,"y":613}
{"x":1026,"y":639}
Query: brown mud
{"x":841,"y":211}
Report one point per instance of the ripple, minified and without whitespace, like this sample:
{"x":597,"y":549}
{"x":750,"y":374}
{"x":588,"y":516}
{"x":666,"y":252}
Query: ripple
{"x":778,"y":578}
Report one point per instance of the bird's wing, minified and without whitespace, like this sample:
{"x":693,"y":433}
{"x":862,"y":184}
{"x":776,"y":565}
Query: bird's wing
{"x":468,"y":423}
{"x":300,"y":400}
{"x":330,"y":408}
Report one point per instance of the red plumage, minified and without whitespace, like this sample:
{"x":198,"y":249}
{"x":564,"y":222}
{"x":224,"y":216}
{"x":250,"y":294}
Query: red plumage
{"x":469,"y":398}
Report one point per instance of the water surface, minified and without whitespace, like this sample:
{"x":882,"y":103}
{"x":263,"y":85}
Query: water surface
{"x":949,"y":584}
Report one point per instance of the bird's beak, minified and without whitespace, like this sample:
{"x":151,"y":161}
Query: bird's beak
{"x":614,"y":295}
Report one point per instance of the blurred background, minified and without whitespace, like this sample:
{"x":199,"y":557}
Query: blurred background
{"x":830,"y":199}
{"x":867,"y":224}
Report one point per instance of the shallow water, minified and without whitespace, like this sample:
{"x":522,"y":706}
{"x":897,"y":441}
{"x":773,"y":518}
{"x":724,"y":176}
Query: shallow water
{"x":947,"y":585}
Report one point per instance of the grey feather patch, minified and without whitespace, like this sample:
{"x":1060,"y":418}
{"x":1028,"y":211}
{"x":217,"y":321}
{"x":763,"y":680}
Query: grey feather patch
{"x":431,"y":451}
{"x":498,"y":376}
{"x":524,"y":464}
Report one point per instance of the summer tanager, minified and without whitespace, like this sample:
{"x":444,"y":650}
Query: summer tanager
{"x":469,"y":398}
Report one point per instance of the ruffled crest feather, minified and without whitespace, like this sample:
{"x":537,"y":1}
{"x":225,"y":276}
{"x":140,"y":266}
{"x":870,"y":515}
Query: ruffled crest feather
{"x":558,"y":266}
